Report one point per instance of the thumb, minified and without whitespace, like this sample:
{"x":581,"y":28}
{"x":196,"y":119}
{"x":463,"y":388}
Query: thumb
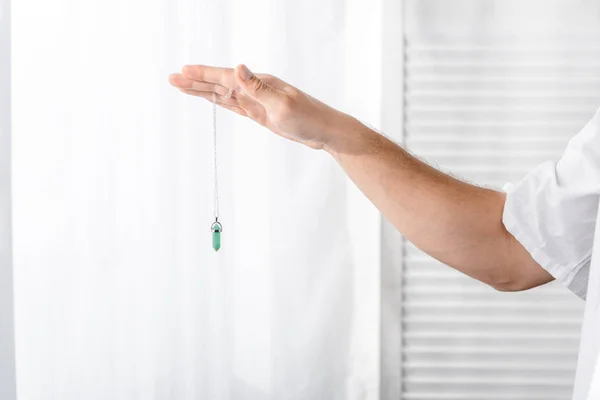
{"x":254,"y":87}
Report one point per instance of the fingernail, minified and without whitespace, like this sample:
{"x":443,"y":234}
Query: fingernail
{"x":245,"y":73}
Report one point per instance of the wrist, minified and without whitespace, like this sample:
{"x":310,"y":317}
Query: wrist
{"x":346,"y":134}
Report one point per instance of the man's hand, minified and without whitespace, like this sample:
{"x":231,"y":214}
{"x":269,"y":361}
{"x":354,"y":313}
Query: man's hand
{"x":271,"y":102}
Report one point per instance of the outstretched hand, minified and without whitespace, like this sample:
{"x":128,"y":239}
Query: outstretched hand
{"x":271,"y":102}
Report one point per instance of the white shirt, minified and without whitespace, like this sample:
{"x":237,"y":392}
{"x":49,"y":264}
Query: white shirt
{"x":553,"y":213}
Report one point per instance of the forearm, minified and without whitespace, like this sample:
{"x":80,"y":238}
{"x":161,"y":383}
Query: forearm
{"x":455,"y":222}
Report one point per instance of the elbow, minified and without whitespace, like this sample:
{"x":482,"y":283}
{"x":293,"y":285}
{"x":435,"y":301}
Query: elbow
{"x":517,"y":271}
{"x":510,"y":286}
{"x":510,"y":283}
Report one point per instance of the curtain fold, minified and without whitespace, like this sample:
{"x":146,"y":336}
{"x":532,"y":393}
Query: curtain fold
{"x":118,"y":292}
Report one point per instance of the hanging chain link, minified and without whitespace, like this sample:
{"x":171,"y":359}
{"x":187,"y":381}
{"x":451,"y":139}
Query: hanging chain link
{"x":216,"y":182}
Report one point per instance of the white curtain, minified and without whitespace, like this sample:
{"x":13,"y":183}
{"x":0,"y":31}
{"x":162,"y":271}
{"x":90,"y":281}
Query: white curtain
{"x":118,"y":294}
{"x":7,"y":357}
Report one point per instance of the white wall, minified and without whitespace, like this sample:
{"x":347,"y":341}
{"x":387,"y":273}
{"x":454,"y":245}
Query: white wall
{"x":7,"y":368}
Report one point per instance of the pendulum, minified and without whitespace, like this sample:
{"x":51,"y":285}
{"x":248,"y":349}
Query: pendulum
{"x":216,"y":228}
{"x":216,"y":235}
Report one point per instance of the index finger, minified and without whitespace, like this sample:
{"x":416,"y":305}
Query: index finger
{"x":205,"y":73}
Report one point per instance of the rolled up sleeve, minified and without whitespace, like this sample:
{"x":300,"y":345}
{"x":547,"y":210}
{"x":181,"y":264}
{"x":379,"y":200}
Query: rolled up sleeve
{"x":552,"y":212}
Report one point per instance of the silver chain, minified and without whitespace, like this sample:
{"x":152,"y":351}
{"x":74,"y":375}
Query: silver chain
{"x":216,"y":182}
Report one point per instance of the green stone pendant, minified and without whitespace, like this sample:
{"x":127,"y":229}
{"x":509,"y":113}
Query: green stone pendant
{"x":216,"y":229}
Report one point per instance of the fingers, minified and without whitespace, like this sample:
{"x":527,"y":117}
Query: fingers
{"x":255,"y":87}
{"x":221,"y":100}
{"x":209,"y":87}
{"x":181,"y":82}
{"x":220,"y":80}
{"x":215,"y":75}
{"x":252,"y":93}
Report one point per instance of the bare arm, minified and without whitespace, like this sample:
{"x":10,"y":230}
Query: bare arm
{"x":455,"y":222}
